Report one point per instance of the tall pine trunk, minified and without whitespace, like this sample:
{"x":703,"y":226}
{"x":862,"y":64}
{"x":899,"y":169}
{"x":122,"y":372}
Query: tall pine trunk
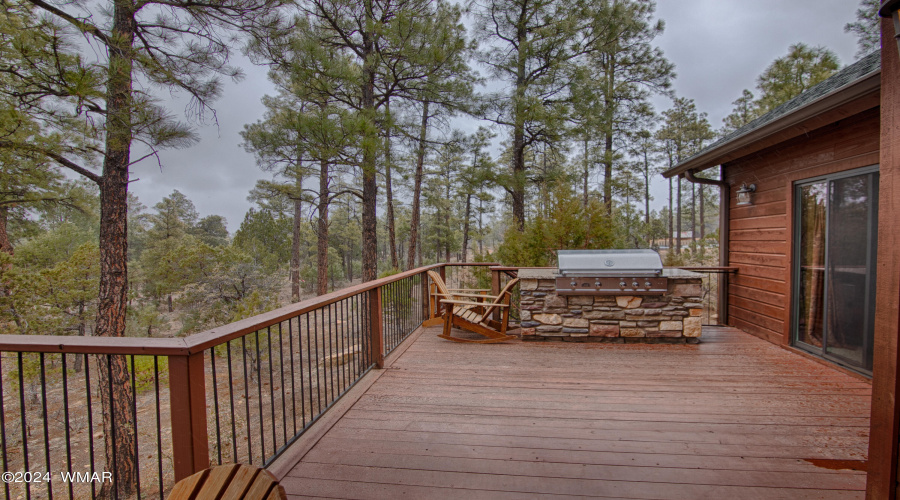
{"x":392,"y":233}
{"x":702,"y":218}
{"x":608,"y":135}
{"x":517,"y":189}
{"x":671,"y":243}
{"x":607,"y":171}
{"x":5,"y":244}
{"x":6,"y":247}
{"x":517,"y":194}
{"x":693,"y":214}
{"x":585,"y":174}
{"x":322,"y":231}
{"x":116,"y":393}
{"x":646,"y":190}
{"x":447,"y":196}
{"x":465,"y":243}
{"x":678,"y":220}
{"x":481,"y":225}
{"x":295,"y":241}
{"x":369,"y":167}
{"x":417,"y":190}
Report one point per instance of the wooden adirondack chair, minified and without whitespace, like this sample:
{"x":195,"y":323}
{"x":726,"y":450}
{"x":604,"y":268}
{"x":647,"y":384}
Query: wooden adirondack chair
{"x":440,"y":291}
{"x":231,"y":482}
{"x":475,"y":316}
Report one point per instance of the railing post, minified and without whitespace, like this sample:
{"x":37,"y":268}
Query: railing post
{"x":426,"y":298}
{"x":375,"y":327}
{"x":495,"y":290}
{"x":722,"y":305}
{"x":187,"y":399}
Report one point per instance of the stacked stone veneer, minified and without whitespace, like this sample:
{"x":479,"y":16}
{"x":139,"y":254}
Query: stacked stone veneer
{"x":670,"y":318}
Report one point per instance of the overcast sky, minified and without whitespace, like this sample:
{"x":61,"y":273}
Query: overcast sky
{"x":718,"y":47}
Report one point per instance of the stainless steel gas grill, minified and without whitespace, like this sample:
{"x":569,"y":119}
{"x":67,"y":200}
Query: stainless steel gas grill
{"x":610,"y":272}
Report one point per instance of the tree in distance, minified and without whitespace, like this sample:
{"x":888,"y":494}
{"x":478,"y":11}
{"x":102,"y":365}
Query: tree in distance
{"x":786,"y":78}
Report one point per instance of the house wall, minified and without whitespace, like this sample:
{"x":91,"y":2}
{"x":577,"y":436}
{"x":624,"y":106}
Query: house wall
{"x":760,"y":234}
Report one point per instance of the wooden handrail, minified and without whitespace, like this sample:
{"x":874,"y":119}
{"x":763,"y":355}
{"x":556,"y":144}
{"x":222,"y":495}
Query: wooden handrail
{"x":198,"y":342}
{"x":516,"y":268}
{"x":709,"y":269}
{"x":94,"y":345}
{"x":462,"y":264}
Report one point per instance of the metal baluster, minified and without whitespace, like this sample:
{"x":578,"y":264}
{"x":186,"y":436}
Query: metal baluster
{"x":90,"y":411}
{"x":215,"y":384}
{"x":65,"y":383}
{"x":247,"y":399}
{"x":293,"y":388}
{"x":137,"y":455}
{"x":283,"y":390}
{"x":159,"y":466}
{"x":24,"y":423}
{"x":234,"y":454}
{"x":45,"y":423}
{"x":262,"y":425}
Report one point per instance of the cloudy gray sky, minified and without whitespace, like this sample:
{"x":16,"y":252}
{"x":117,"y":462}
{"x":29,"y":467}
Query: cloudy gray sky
{"x":718,"y":47}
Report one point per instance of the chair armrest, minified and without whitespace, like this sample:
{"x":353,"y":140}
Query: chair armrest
{"x":476,"y":295}
{"x":470,"y":303}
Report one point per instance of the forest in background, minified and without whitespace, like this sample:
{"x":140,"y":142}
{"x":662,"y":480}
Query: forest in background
{"x":368,"y":173}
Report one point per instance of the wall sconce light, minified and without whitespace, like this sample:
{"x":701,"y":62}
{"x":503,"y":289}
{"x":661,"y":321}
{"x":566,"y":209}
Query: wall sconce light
{"x":890,"y":8}
{"x":743,"y":194}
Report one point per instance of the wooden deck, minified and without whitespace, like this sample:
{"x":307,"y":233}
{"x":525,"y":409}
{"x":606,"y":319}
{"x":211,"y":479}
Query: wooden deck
{"x":733,"y":417}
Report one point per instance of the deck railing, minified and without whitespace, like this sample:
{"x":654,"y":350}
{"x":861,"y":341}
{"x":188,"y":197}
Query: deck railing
{"x":242,"y":392}
{"x":715,"y":293}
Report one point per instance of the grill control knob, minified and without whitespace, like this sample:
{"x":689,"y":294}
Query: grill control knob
{"x":648,"y":284}
{"x":635,"y":284}
{"x":622,"y":284}
{"x":597,"y":283}
{"x":573,"y":283}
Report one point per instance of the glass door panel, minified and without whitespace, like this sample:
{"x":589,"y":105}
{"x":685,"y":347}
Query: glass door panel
{"x":851,"y":268}
{"x":811,"y":243}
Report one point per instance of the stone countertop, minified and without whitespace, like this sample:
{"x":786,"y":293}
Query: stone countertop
{"x":537,"y":274}
{"x":549,"y":274}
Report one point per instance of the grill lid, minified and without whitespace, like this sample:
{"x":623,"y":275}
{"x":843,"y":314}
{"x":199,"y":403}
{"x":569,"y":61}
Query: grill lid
{"x":631,"y":262}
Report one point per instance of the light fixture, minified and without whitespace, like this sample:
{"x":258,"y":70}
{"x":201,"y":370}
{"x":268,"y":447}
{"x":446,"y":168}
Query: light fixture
{"x":890,"y":8}
{"x":743,"y":194}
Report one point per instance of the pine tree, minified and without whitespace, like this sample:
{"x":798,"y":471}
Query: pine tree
{"x":172,"y":45}
{"x":530,"y":45}
{"x":625,"y":70}
{"x":867,"y":27}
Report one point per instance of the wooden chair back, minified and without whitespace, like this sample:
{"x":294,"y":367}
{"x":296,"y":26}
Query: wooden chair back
{"x":231,"y":482}
{"x":502,"y":298}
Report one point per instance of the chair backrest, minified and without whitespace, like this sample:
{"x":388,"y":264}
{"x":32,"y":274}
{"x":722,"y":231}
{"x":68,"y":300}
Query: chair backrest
{"x":501,"y":297}
{"x":439,"y":283}
{"x":442,"y":289}
{"x":229,"y":481}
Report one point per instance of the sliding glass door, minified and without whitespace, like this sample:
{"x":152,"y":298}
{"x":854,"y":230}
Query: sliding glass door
{"x":834,"y":277}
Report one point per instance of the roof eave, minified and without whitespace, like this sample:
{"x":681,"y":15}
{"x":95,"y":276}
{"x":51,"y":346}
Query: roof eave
{"x":862,"y":87}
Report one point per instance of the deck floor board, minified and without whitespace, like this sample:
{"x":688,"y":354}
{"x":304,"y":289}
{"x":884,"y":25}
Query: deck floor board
{"x":733,"y":417}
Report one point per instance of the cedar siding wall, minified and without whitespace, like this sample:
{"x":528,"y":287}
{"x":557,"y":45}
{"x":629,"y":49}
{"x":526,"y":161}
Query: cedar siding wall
{"x":760,"y":234}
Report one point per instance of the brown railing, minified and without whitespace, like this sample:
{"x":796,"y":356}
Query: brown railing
{"x":242,"y":392}
{"x":715,"y":293}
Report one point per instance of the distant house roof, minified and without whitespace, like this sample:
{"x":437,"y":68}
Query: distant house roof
{"x":856,"y":80}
